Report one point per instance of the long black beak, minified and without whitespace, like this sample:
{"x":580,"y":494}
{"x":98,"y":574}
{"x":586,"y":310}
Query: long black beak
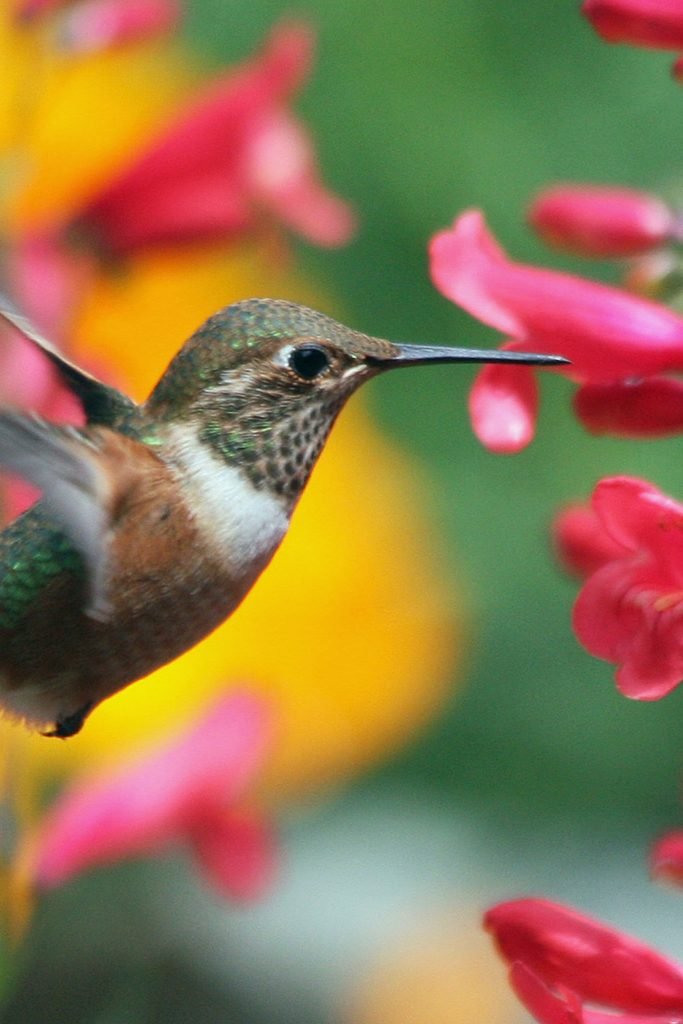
{"x":417,"y":355}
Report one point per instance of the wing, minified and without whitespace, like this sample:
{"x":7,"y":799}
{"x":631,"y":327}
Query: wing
{"x":101,"y":403}
{"x":65,"y":466}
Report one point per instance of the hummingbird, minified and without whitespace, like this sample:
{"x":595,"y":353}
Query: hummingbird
{"x":156,"y":519}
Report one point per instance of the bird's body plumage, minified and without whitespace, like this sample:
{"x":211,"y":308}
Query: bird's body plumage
{"x":55,"y":657}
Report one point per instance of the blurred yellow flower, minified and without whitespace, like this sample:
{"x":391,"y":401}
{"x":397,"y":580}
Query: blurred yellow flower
{"x":443,"y":971}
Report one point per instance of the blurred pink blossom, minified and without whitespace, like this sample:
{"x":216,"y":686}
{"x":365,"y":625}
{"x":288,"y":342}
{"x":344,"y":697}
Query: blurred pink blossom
{"x":192,"y":791}
{"x":594,"y":220}
{"x":235,"y":152}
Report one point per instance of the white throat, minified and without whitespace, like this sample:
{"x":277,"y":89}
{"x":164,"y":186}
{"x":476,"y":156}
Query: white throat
{"x":243,"y":525}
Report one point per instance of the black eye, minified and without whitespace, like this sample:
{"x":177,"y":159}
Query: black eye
{"x":309,"y":361}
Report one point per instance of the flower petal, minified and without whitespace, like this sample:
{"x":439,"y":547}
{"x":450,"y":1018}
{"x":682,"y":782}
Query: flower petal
{"x":543,"y":1004}
{"x":564,"y":1007}
{"x":638,"y":515}
{"x":503,"y":405}
{"x":467,"y":265}
{"x":581,"y":541}
{"x":619,"y":616}
{"x":652,"y":23}
{"x":666,"y":858}
{"x":282,"y":169}
{"x":163,"y":795}
{"x":236,"y":851}
{"x":652,"y":407}
{"x":567,"y":949}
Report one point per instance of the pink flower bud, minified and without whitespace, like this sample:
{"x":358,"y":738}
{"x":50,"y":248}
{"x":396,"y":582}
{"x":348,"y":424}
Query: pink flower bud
{"x":600,"y":221}
{"x":652,"y":23}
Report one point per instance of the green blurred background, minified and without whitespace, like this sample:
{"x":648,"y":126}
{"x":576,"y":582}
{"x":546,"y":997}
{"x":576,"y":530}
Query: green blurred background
{"x":540,"y":776}
{"x":422,"y":110}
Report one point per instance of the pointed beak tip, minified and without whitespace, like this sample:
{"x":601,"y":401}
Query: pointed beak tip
{"x":553,"y":361}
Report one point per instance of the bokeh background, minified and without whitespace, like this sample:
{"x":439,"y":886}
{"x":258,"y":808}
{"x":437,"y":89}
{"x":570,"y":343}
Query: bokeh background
{"x":537,"y":776}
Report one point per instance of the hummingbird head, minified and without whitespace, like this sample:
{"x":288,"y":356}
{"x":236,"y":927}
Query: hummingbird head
{"x":263,"y":381}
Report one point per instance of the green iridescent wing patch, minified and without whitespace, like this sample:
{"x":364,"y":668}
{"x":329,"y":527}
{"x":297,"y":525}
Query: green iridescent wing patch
{"x":33,"y":551}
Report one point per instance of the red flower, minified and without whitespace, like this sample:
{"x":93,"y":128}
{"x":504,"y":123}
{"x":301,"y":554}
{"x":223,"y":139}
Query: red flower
{"x":234,"y":151}
{"x":666,"y":858}
{"x":594,"y":220}
{"x":607,"y":334}
{"x":191,"y":790}
{"x":581,"y":541}
{"x":562,"y":1006}
{"x":630,"y":611}
{"x":562,"y":959}
{"x":652,"y":407}
{"x":652,"y":23}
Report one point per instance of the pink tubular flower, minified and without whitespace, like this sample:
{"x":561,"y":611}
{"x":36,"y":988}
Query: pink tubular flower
{"x":607,"y":334}
{"x":562,"y":959}
{"x":666,"y":858}
{"x":188,"y":791}
{"x":652,"y":23}
{"x":594,"y":220}
{"x":232,"y":152}
{"x":630,"y":611}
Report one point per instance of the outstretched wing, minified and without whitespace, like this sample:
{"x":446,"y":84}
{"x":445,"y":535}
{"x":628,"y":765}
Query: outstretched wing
{"x":101,"y":403}
{"x":66,"y":468}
